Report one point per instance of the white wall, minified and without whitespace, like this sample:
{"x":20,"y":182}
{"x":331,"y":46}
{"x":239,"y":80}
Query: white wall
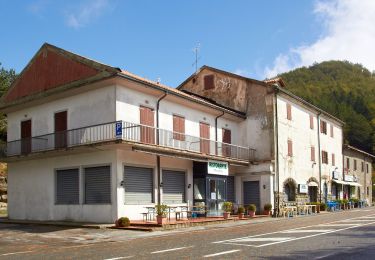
{"x":89,"y":108}
{"x":31,"y":189}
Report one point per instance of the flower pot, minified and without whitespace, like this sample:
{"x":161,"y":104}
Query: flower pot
{"x":251,"y":213}
{"x":161,"y":220}
{"x":226,"y":215}
{"x":240,"y":215}
{"x":267,"y":212}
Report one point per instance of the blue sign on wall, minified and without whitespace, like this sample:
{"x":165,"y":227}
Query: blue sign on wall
{"x":119,"y":129}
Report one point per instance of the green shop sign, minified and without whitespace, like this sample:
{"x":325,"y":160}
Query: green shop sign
{"x":219,"y":168}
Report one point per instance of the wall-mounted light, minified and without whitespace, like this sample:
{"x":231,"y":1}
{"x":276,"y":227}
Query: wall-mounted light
{"x":122,"y":183}
{"x":161,"y":184}
{"x":189,"y":186}
{"x":204,"y":118}
{"x":146,"y":101}
{"x":264,"y":186}
{"x":25,"y":115}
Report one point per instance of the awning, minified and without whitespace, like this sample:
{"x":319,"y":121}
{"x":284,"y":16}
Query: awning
{"x":339,"y":182}
{"x":347,"y":183}
{"x":312,"y":184}
{"x":355,"y":184}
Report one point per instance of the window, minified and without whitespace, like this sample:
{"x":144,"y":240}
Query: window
{"x":323,"y":127}
{"x":173,"y":187}
{"x":355,"y":164}
{"x":333,"y":160}
{"x":367,"y":191}
{"x":67,"y":186}
{"x":178,"y":128}
{"x":348,"y":163}
{"x":312,"y":151}
{"x":138,"y":185}
{"x":363,"y":166}
{"x":332,"y":131}
{"x":290,"y":148}
{"x":288,"y":111}
{"x":97,"y":185}
{"x":311,"y":122}
{"x":324,"y":157}
{"x":209,"y":82}
{"x":367,"y":168}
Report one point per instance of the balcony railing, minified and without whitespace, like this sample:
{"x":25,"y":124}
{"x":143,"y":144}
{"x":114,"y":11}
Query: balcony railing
{"x":126,"y":131}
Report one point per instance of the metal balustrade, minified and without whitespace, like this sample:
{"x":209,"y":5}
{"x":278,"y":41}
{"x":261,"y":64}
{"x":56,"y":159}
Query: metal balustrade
{"x":126,"y":131}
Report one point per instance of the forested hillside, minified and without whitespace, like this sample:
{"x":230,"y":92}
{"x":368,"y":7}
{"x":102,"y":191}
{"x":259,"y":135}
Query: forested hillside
{"x":345,"y":90}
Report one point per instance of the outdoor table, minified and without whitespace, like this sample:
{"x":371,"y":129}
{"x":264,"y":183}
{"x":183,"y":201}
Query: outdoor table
{"x":312,"y":208}
{"x":171,"y":209}
{"x":291,"y":209}
{"x":150,"y":213}
{"x":303,"y":209}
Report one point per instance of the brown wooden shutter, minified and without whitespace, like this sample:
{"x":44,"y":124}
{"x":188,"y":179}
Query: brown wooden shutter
{"x":288,"y":111}
{"x":333,"y":160}
{"x":332,"y":131}
{"x":290,"y":148}
{"x":178,"y":128}
{"x":227,"y":139}
{"x":204,"y":130}
{"x":355,"y":164}
{"x":313,"y":153}
{"x":26,"y":137}
{"x":209,"y":82}
{"x":61,"y":127}
{"x":147,"y":122}
{"x":311,"y":122}
{"x":321,"y":126}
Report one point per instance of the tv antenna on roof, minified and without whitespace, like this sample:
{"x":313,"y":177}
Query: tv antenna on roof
{"x":197,"y":58}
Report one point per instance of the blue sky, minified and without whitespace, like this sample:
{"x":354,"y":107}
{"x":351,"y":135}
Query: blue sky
{"x":155,"y":39}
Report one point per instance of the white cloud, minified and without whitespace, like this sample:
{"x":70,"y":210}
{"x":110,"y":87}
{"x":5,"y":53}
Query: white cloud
{"x":85,"y":13}
{"x":349,"y":35}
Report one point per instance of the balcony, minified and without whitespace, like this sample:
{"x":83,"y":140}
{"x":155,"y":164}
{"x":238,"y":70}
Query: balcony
{"x":139,"y":136}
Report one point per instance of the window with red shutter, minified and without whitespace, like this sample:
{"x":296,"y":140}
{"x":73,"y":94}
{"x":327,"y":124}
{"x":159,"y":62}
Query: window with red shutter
{"x":227,"y":139}
{"x":290,"y":148}
{"x":209,"y":82}
{"x":178,"y":128}
{"x":324,"y":157}
{"x":311,"y":122}
{"x":312,"y":153}
{"x":323,"y":127}
{"x":332,"y":131}
{"x":288,"y":111}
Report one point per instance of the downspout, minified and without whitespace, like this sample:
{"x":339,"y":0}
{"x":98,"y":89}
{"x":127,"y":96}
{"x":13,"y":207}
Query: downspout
{"x":157,"y":143}
{"x":320,"y":159}
{"x":276,"y":212}
{"x":216,"y":118}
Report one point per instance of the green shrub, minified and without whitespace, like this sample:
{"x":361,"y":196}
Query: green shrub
{"x":267,"y":207}
{"x":252,"y":207}
{"x":241,"y":210}
{"x":345,"y":201}
{"x":123,"y":222}
{"x":227,"y":206}
{"x":323,"y":206}
{"x":161,"y":210}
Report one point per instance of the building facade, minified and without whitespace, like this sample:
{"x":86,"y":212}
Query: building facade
{"x":357,"y":166}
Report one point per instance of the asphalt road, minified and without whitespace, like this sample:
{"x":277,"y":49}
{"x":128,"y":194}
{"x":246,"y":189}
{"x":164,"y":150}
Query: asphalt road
{"x":341,"y":235}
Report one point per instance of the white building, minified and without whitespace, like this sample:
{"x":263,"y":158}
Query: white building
{"x":82,"y":143}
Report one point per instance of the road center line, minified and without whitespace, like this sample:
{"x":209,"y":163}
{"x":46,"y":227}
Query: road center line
{"x":120,"y":257}
{"x":171,"y":249}
{"x":222,"y":253}
{"x":15,"y":253}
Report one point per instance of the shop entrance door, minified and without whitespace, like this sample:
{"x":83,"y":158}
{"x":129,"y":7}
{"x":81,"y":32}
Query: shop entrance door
{"x":216,"y":196}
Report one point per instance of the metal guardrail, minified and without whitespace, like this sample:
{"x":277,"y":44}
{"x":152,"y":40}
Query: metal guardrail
{"x":129,"y":132}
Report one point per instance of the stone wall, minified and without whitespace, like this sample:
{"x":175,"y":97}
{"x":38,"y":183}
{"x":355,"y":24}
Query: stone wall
{"x":3,"y":185}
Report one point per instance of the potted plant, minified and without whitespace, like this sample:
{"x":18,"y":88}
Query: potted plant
{"x":241,"y":211}
{"x":227,"y":207}
{"x":161,"y":213}
{"x":323,"y":206}
{"x":122,"y":222}
{"x":252,"y":208}
{"x":267,"y":209}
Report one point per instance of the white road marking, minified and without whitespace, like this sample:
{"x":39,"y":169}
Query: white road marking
{"x":120,"y":257}
{"x":338,"y":224}
{"x":171,"y":249}
{"x":222,"y":253}
{"x":15,"y":253}
{"x":261,"y":239}
{"x":306,"y":231}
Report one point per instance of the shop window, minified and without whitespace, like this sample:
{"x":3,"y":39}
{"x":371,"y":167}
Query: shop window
{"x":97,"y":185}
{"x":67,"y":186}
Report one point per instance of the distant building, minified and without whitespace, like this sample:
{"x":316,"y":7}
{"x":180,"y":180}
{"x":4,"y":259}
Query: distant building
{"x":357,"y":166}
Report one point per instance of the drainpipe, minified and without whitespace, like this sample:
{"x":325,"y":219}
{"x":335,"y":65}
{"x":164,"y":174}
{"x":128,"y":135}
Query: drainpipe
{"x":157,"y":143}
{"x":216,"y":118}
{"x":320,"y":160}
{"x":276,"y":213}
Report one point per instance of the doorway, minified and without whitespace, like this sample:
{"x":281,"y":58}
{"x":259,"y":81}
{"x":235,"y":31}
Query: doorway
{"x":216,"y":195}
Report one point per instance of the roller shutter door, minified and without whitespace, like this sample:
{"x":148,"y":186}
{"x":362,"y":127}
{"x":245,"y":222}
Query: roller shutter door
{"x":173,"y":187}
{"x":97,"y":185}
{"x":67,"y":186}
{"x":251,"y":194}
{"x":138,"y":183}
{"x":230,"y":189}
